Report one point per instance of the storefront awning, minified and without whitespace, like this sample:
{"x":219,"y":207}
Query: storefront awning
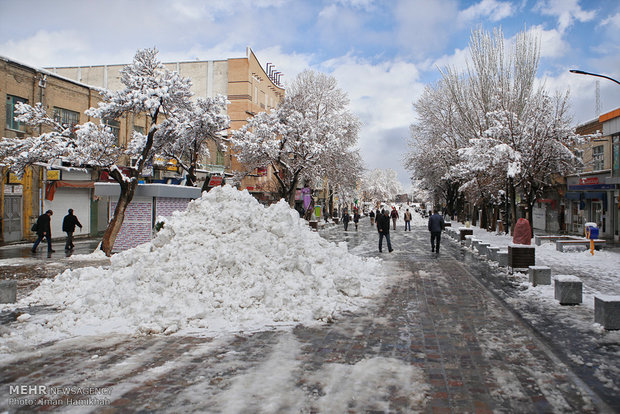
{"x":573,"y":196}
{"x":590,"y":195}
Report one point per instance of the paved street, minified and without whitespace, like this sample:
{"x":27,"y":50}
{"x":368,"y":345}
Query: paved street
{"x":440,"y":339}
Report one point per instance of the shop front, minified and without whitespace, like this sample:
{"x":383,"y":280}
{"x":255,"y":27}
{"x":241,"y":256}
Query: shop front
{"x":590,"y":198}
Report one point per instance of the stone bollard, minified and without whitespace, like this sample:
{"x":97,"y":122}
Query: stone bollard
{"x":607,"y":311}
{"x":8,"y":291}
{"x":539,"y":275}
{"x":502,"y":258}
{"x":492,"y":252}
{"x":483,"y":248}
{"x":475,"y":243}
{"x":568,"y":289}
{"x":468,"y":240}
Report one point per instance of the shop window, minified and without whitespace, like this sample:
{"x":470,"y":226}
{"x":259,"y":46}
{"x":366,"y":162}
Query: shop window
{"x":11,"y":123}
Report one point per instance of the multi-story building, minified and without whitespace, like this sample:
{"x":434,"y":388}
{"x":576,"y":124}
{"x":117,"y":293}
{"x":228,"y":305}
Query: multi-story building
{"x":68,"y":92}
{"x":592,"y":195}
{"x":248,"y":87}
{"x":44,"y":186}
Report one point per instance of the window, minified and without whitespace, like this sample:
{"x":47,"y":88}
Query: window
{"x":139,"y":129}
{"x":11,"y":123}
{"x":219,"y":159}
{"x":598,"y":160}
{"x":67,"y":118}
{"x":115,"y":128}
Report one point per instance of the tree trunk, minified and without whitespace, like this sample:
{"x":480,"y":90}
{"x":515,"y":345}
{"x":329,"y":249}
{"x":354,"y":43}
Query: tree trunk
{"x":109,"y":237}
{"x":513,"y":205}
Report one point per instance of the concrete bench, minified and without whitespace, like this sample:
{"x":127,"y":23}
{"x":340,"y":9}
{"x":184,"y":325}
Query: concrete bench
{"x":539,"y":275}
{"x":561,"y":245}
{"x":464,"y":231}
{"x":607,"y":311}
{"x":539,"y":240}
{"x":8,"y":291}
{"x":521,"y":256}
{"x":568,"y":289}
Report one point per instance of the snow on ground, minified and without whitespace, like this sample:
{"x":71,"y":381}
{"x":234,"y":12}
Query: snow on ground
{"x":225,"y":264}
{"x":600,"y":273}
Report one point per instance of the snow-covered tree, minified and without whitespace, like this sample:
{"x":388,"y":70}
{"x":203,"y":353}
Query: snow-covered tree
{"x":204,"y":122}
{"x":509,"y":134}
{"x":303,"y":138}
{"x":150,"y":89}
{"x":434,"y":145}
{"x":382,"y":184}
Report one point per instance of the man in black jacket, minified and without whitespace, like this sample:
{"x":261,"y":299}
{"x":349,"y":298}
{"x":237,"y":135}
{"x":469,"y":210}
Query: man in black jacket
{"x":68,"y":226}
{"x":44,"y":230}
{"x":435,"y":226}
{"x":383,"y":226}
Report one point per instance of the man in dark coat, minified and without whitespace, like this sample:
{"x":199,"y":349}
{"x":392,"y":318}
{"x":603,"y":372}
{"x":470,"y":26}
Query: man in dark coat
{"x":44,"y":230}
{"x":68,"y":226}
{"x":383,"y":226}
{"x":435,"y":226}
{"x":345,"y":219}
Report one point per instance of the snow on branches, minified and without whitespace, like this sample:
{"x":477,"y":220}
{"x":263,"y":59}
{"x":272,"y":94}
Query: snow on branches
{"x":310,"y":135}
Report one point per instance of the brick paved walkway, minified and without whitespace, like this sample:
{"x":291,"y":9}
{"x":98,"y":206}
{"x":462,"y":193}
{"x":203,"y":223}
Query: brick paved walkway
{"x":435,"y":342}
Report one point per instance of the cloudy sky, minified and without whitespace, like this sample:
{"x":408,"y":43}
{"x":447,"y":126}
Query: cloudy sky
{"x":382,"y":52}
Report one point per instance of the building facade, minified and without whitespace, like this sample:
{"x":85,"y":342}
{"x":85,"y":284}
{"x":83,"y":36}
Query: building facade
{"x":246,"y":84}
{"x":68,"y":92}
{"x":592,"y":195}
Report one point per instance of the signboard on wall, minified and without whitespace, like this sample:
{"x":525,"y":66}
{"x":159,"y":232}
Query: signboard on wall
{"x":53,"y":175}
{"x":215,"y":180}
{"x":13,"y":179}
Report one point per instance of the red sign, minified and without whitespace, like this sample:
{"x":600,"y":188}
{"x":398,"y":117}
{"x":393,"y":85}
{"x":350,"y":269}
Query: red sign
{"x":588,"y":181}
{"x":215,"y":180}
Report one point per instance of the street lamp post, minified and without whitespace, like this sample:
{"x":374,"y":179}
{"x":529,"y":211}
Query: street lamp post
{"x":581,"y":72}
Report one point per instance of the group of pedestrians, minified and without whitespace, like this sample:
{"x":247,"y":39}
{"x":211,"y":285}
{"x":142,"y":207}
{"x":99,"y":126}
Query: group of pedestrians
{"x":382,"y":220}
{"x":43,"y":228}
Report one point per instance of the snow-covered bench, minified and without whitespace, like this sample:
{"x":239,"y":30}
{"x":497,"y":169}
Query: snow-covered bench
{"x":538,"y":240}
{"x":560,"y":245}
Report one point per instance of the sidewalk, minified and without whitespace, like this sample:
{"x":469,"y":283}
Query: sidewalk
{"x":436,"y":341}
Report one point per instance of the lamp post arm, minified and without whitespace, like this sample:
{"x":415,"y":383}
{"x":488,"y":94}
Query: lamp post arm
{"x":581,"y":72}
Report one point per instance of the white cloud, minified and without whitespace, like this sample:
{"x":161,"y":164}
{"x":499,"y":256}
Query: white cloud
{"x":552,"y":44}
{"x":44,"y":47}
{"x":613,"y":21}
{"x":425,"y":26}
{"x":566,"y":11}
{"x":492,"y":9}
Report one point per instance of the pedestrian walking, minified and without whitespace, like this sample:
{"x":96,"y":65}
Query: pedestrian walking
{"x":43,"y":229}
{"x":356,"y":218}
{"x":435,"y":226}
{"x":378,"y":214}
{"x":394,"y":215}
{"x":372,"y":217}
{"x":383,"y":226}
{"x":345,"y":219}
{"x":407,"y":217}
{"x":68,"y":226}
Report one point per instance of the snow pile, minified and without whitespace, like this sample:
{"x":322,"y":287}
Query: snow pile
{"x":227,"y":263}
